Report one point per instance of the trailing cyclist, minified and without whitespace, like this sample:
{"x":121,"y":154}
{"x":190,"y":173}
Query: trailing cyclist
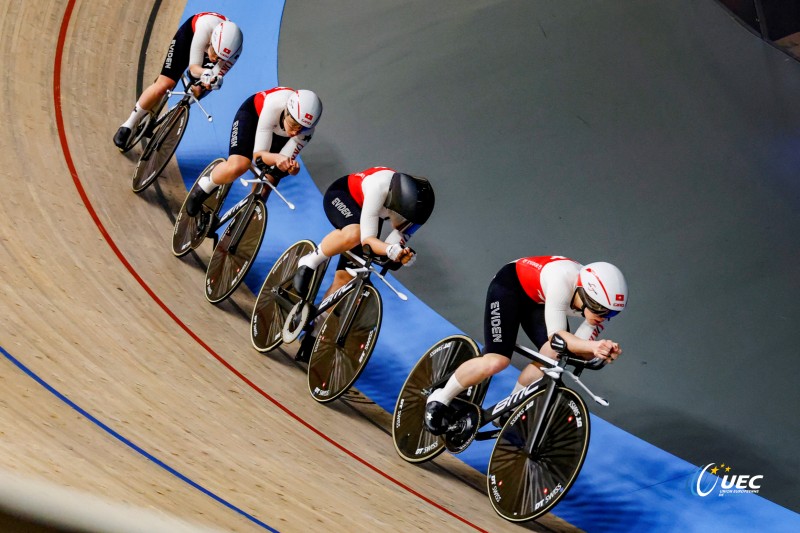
{"x":271,"y":128}
{"x":537,"y":293}
{"x":356,"y":205}
{"x":208,"y":44}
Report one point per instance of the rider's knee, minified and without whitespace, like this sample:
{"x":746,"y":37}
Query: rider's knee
{"x":352,"y":235}
{"x":495,"y":364}
{"x":164,"y":84}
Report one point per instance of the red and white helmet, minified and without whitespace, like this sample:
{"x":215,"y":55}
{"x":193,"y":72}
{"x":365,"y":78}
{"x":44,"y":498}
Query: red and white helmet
{"x":226,"y":40}
{"x":305,"y":107}
{"x":605,"y":285}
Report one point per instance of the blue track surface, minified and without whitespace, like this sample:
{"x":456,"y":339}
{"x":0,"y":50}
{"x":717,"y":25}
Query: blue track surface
{"x":626,"y":484}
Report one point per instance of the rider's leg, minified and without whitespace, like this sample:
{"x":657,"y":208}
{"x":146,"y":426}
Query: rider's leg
{"x":334,"y":243}
{"x":500,"y":325}
{"x":468,"y":374}
{"x":225,"y":172}
{"x":149,"y":98}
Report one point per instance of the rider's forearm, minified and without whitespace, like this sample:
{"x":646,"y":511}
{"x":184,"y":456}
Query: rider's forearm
{"x":269,"y":158}
{"x":377,"y":245}
{"x":580,"y":347}
{"x":196,"y":70}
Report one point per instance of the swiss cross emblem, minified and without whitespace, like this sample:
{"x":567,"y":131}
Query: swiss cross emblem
{"x":227,"y":50}
{"x":620,"y":297}
{"x":309,"y":116}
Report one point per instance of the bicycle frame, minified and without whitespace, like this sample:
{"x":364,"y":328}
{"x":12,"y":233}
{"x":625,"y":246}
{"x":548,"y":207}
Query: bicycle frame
{"x":553,"y":370}
{"x":188,"y":98}
{"x":361,"y":275}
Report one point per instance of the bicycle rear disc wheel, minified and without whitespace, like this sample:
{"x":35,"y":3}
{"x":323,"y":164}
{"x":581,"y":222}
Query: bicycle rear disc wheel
{"x":189,"y":233}
{"x":334,"y":367}
{"x":270,"y":312}
{"x":524,"y":487}
{"x":226,"y":268}
{"x":411,"y":440}
{"x":160,"y":149}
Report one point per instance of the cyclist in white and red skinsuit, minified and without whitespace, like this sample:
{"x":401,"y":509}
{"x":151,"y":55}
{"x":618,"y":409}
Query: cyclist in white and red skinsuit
{"x":355,"y":205}
{"x":270,"y":128}
{"x":208,"y":44}
{"x":538,"y":293}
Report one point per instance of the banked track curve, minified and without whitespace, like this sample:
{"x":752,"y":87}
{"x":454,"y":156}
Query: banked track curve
{"x":92,"y":323}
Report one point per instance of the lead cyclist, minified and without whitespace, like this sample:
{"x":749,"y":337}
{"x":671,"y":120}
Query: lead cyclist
{"x":208,"y":44}
{"x":537,"y":293}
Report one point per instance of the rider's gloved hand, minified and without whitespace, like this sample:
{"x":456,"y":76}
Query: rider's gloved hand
{"x":393,"y":251}
{"x":207,"y":78}
{"x":401,"y":254}
{"x":216,"y":83}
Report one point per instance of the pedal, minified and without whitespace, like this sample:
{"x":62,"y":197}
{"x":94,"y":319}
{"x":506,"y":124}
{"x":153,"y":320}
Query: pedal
{"x":461,"y":434}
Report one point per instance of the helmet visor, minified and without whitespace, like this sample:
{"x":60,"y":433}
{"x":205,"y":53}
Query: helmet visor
{"x":595,"y":307}
{"x":409,"y":228}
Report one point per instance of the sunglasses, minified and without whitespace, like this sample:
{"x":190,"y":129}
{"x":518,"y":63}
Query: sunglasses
{"x":293,"y":124}
{"x":595,"y":307}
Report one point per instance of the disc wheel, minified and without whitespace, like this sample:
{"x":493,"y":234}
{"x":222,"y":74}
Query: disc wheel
{"x":227,"y":268}
{"x":334,"y":366}
{"x":189,"y":231}
{"x":276,"y":298}
{"x":522,"y":486}
{"x":160,"y":149}
{"x":411,"y":440}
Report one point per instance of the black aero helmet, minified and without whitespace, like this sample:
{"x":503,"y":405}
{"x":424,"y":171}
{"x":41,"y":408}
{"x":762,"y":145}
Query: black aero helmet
{"x":410,"y":197}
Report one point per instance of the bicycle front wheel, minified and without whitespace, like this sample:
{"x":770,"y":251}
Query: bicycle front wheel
{"x":160,"y":149}
{"x":228,"y":266}
{"x":524,"y":486}
{"x":189,"y":232}
{"x":411,"y":440}
{"x":335,"y":364}
{"x":276,"y":297}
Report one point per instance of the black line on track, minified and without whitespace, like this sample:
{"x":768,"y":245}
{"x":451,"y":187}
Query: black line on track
{"x":148,"y":31}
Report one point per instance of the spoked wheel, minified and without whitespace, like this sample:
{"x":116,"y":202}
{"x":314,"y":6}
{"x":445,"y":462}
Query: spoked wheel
{"x":411,"y":440}
{"x":522,"y":486}
{"x":160,"y":149}
{"x":189,"y":231}
{"x":276,"y":298}
{"x":335,"y":364}
{"x":228,"y":266}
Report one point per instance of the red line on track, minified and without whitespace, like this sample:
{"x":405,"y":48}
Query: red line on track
{"x":62,"y":35}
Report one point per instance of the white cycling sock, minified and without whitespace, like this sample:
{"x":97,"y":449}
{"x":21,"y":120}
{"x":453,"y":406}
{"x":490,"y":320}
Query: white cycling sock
{"x":313,"y":260}
{"x":207,"y":184}
{"x":451,"y":389}
{"x":136,"y":115}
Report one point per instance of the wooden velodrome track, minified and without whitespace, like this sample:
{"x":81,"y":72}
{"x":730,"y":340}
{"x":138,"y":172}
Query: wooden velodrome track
{"x":96,"y":306}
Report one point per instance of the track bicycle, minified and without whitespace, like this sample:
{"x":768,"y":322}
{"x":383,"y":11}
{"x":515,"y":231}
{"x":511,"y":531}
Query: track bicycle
{"x":235,"y":252}
{"x":348,"y":333}
{"x":167,"y":133}
{"x":542,"y":440}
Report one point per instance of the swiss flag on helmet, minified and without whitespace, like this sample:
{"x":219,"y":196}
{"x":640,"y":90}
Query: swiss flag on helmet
{"x":620,"y":297}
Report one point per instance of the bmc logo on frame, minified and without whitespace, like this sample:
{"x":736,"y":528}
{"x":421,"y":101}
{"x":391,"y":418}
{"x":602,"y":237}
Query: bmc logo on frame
{"x":707,"y":481}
